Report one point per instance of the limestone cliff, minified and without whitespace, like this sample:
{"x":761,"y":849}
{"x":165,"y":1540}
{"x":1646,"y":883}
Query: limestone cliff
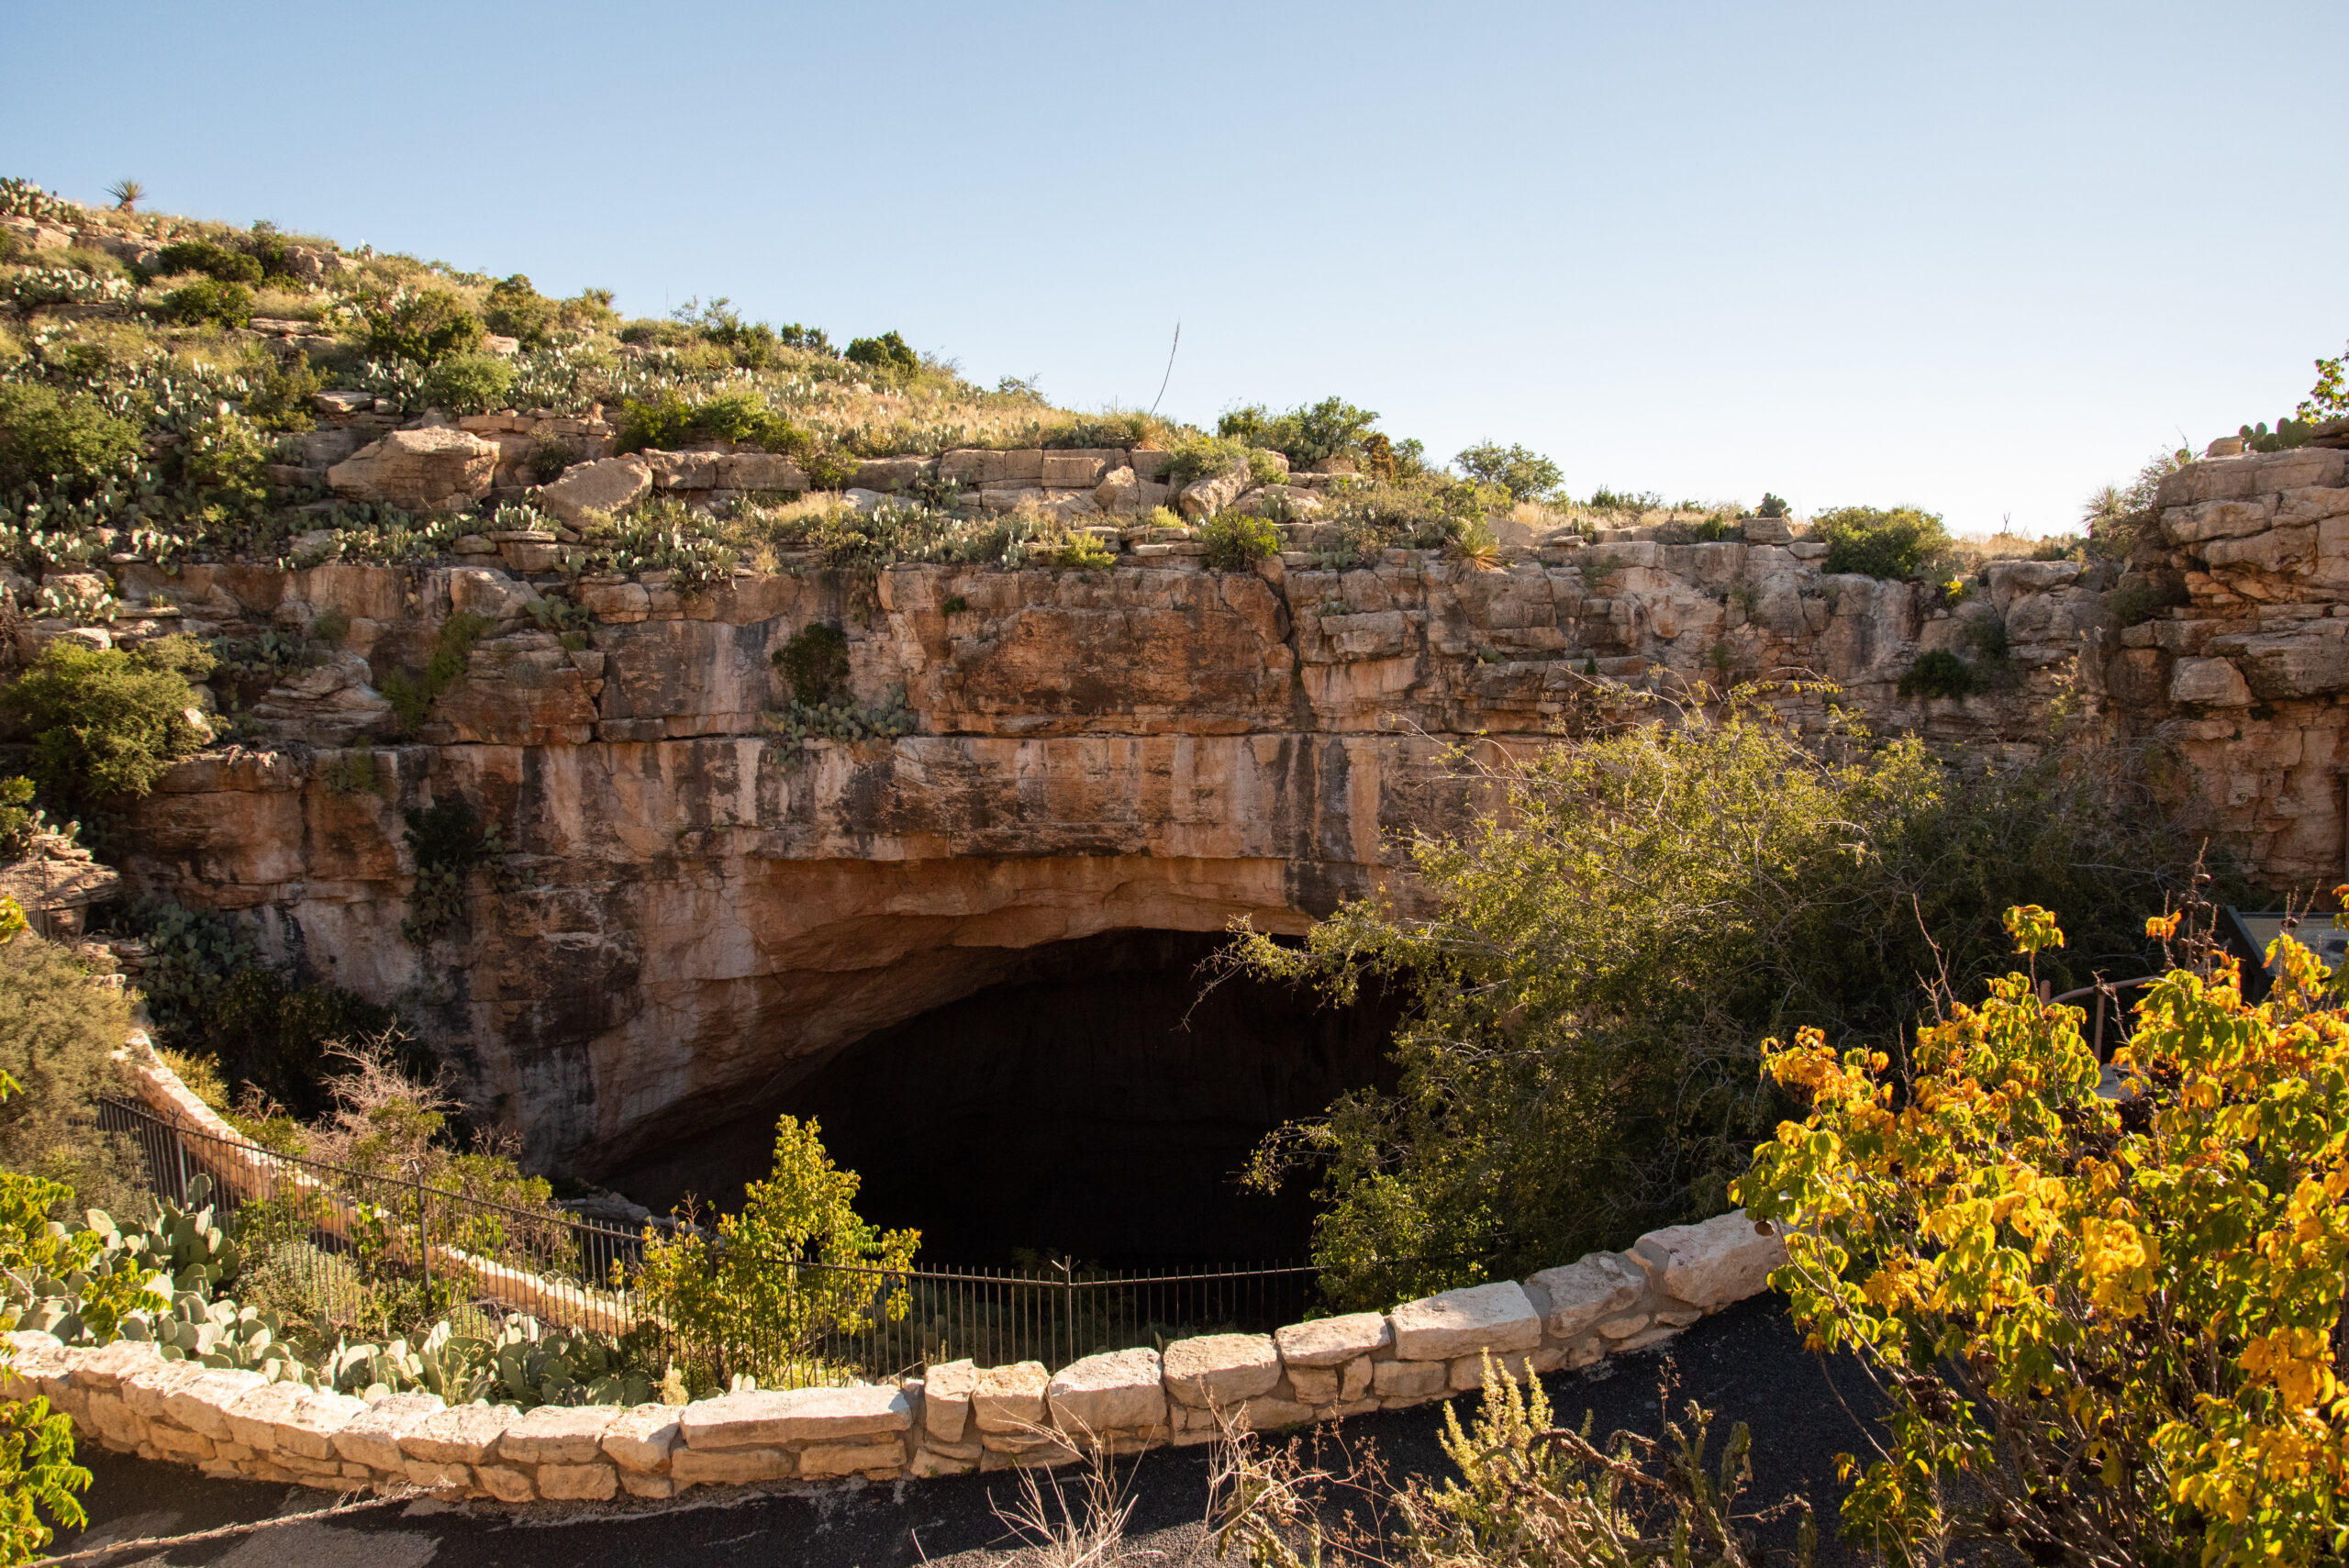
{"x":688,"y":910}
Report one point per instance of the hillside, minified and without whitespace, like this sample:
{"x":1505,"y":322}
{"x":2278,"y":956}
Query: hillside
{"x":179,"y":389}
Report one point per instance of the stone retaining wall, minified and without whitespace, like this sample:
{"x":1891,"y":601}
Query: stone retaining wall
{"x":959,"y":1418}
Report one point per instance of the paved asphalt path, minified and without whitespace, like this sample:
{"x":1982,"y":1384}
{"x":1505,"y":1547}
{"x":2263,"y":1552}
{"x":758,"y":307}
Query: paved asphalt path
{"x":1746,"y":1364}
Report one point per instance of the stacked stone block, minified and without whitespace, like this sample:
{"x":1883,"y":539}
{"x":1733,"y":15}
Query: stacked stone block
{"x":959,"y":1418}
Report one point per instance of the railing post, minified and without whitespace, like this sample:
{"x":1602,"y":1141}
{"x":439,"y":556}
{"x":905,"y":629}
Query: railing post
{"x":423,"y":1235}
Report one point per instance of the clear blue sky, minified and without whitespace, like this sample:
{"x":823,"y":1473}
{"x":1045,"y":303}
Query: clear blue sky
{"x":1978,"y":257}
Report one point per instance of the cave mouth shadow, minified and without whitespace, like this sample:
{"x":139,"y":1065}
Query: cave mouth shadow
{"x":1093,"y":1104}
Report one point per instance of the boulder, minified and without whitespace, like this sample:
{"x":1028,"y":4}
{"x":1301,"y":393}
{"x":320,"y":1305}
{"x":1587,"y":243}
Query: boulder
{"x":1210,"y":493}
{"x":1582,"y":1292}
{"x":1332,"y":1341}
{"x":682,"y":471}
{"x":1010,"y":1399}
{"x":486,"y":591}
{"x":1497,"y":1317}
{"x":607,"y":485}
{"x":760,"y":470}
{"x":764,"y":1417}
{"x":1724,"y":1260}
{"x":1217,"y":1370}
{"x":419,"y":468}
{"x":2210,"y":682}
{"x":2309,"y":660}
{"x":1118,"y":1390}
{"x":557,"y":1434}
{"x":946,"y":1399}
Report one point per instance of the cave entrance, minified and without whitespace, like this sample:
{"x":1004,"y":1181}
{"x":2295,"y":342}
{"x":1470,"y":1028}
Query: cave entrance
{"x":1092,"y":1103}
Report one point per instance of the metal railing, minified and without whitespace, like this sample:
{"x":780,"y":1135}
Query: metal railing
{"x":371,"y":1254}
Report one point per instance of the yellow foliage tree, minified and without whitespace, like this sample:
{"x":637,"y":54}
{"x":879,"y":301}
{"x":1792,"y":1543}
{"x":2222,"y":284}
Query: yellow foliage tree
{"x":2117,"y":1313}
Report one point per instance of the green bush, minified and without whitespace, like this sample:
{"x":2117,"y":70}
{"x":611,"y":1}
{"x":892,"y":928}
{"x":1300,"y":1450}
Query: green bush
{"x":1194,"y":458}
{"x":215,"y":261}
{"x":1579,"y":1061}
{"x":468,"y":383}
{"x":1526,"y":476}
{"x":1236,"y":541}
{"x":515,"y":309}
{"x":59,"y":1030}
{"x":19,"y":819}
{"x":2141,"y":595}
{"x":1773,"y":506}
{"x":669,"y":420}
{"x":450,"y":841}
{"x":1308,"y":435}
{"x":210,"y":301}
{"x":1900,"y":545}
{"x":104,"y":724}
{"x":423,"y":325}
{"x":281,"y":392}
{"x":888,"y":353}
{"x":814,"y":663}
{"x":1938,"y":674}
{"x":68,"y":436}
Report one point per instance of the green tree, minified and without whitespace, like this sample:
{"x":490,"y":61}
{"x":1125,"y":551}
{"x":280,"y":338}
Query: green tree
{"x":1526,"y":476}
{"x":888,"y":352}
{"x":1306,"y":435}
{"x":106,"y":723}
{"x":795,"y":1266}
{"x":1604,"y":952}
{"x":59,"y":1031}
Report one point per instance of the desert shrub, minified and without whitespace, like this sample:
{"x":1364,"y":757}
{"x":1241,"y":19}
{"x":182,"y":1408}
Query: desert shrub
{"x":281,"y":392}
{"x":670,"y":420}
{"x":1236,"y":542}
{"x":1526,"y":476}
{"x":888,"y":353}
{"x":423,"y":325}
{"x":2141,"y":595}
{"x":814,"y":663}
{"x":220,"y":461}
{"x":215,"y":261}
{"x":69,"y":437}
{"x":1532,"y":1493}
{"x":104,"y":723}
{"x":1899,"y":544}
{"x":2108,"y":1327}
{"x":449,"y":841}
{"x":515,"y":309}
{"x":1578,"y":1062}
{"x":19,"y":819}
{"x":210,"y":301}
{"x":1773,"y":506}
{"x":1306,"y":435}
{"x":737,"y":1302}
{"x":411,"y":695}
{"x":468,"y":383}
{"x":1195,"y":458}
{"x":2118,"y":517}
{"x":59,"y":1030}
{"x":1938,"y":674}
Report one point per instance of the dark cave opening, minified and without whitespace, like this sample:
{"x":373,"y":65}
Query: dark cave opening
{"x":1094,"y":1104}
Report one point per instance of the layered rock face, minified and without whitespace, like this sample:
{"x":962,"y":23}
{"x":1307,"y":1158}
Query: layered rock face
{"x":2247,"y":680}
{"x":685,"y":911}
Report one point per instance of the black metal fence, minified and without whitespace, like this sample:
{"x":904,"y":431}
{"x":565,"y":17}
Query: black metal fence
{"x":371,"y":1255}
